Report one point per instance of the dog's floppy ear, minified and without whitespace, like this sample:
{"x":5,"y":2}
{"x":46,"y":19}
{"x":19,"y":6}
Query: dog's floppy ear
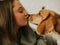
{"x":57,"y":27}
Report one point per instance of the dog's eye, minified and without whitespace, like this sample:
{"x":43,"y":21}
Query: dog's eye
{"x":39,"y":13}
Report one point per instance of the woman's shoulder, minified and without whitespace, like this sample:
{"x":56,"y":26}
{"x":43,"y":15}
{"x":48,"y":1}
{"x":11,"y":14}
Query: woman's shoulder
{"x":29,"y":38}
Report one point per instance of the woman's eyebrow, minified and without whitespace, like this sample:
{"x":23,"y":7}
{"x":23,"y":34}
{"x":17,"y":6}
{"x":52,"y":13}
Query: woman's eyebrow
{"x":20,"y":8}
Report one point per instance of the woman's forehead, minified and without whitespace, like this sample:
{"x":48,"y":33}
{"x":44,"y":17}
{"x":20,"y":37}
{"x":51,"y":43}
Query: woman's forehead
{"x":17,"y":3}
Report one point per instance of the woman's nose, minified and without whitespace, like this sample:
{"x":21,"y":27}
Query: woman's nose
{"x":25,"y":12}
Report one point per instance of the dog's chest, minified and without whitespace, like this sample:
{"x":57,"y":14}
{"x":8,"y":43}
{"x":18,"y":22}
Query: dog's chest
{"x":33,"y":26}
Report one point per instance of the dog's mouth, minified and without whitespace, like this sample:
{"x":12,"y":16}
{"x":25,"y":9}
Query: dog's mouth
{"x":34,"y":23}
{"x":28,"y":16}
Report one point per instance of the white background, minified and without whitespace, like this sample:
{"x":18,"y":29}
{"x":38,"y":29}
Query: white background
{"x":33,"y":6}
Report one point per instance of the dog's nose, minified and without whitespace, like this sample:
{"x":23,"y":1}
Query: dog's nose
{"x":29,"y":15}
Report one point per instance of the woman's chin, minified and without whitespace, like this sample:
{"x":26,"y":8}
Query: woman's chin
{"x":25,"y":24}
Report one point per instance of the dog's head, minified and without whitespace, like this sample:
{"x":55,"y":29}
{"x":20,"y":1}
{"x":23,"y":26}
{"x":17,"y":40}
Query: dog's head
{"x":35,"y":19}
{"x":40,"y":18}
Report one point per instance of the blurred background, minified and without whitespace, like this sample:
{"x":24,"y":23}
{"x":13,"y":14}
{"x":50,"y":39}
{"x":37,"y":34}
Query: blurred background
{"x":33,"y":6}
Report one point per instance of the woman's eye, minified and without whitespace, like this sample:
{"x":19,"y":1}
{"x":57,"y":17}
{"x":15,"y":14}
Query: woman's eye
{"x":20,"y":11}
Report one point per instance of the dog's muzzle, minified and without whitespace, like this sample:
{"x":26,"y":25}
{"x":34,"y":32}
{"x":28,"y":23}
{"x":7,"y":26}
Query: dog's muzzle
{"x":28,"y":16}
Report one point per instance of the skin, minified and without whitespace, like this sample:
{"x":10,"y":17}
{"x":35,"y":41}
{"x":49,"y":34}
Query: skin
{"x":20,"y":14}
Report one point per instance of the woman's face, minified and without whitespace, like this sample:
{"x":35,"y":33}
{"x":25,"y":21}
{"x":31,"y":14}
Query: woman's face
{"x":20,"y":14}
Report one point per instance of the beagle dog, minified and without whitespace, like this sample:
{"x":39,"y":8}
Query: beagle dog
{"x":45,"y":22}
{"x":50,"y":22}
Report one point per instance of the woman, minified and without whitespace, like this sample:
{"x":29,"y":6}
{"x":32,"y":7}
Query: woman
{"x":12,"y":17}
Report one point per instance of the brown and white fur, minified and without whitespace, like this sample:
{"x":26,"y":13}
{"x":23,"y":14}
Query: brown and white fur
{"x":46,"y":21}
